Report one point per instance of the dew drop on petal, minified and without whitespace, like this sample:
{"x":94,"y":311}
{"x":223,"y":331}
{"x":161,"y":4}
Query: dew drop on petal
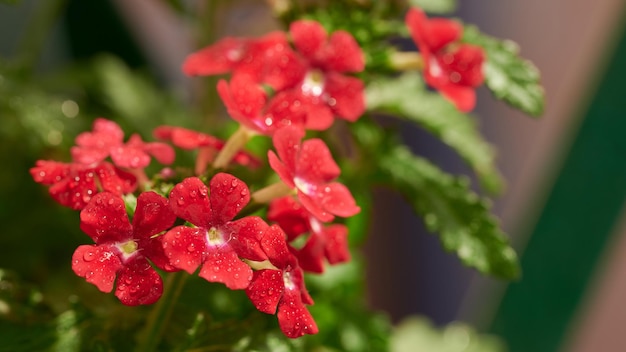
{"x":89,"y":256}
{"x":216,"y":268}
{"x":244,"y":192}
{"x":191,"y":248}
{"x":234,"y":183}
{"x":180,"y":201}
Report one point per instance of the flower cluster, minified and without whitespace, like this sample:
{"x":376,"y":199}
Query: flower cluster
{"x":281,"y":85}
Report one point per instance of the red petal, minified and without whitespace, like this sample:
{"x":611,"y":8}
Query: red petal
{"x":154,"y":251}
{"x":274,"y":244}
{"x":342,"y":54}
{"x":228,"y":196}
{"x":336,"y":246}
{"x":49,"y":172}
{"x":152,"y":215}
{"x":345,"y":96}
{"x":190,"y":201}
{"x":188,"y":139}
{"x":290,"y":216}
{"x":244,"y":100}
{"x":337,"y":199}
{"x":130,"y":157}
{"x":464,"y":98}
{"x":308,"y":37}
{"x":220,"y":57}
{"x":162,"y":152}
{"x":293,"y":317}
{"x":246,"y":236}
{"x":287,"y":144}
{"x":440,"y":32}
{"x":104,"y":219}
{"x":311,"y":256}
{"x":115,"y":180}
{"x":319,"y":116}
{"x":266,"y":289}
{"x":225,"y":266}
{"x":314,"y":206}
{"x":285,"y":174}
{"x":315,"y":163}
{"x":184,"y":247}
{"x":97,"y":264}
{"x":138,"y":283}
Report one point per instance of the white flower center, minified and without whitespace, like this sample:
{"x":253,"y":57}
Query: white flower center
{"x":313,"y":83}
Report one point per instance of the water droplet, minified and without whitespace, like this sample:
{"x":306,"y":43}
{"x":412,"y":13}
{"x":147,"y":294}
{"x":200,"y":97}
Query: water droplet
{"x":244,"y":192}
{"x":216,"y":268}
{"x":234,"y":183}
{"x":191,"y":247}
{"x":89,"y":256}
{"x":42,"y":174}
{"x":111,"y":201}
{"x":88,"y":274}
{"x":181,"y":201}
{"x":77,"y":178}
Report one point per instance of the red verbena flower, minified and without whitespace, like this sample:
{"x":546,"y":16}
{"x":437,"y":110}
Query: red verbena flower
{"x":324,"y":84}
{"x":207,"y":146}
{"x":73,"y":184}
{"x":328,"y":242}
{"x":107,"y":139}
{"x":282,"y":289}
{"x":247,"y":103}
{"x":309,"y":168}
{"x":453,"y":68}
{"x":268,"y":60}
{"x":122,"y":249}
{"x":216,"y":242}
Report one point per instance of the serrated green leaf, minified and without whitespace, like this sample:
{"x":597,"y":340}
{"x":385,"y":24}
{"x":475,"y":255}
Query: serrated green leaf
{"x":510,"y":77}
{"x":450,"y":208}
{"x":406,"y":97}
{"x":416,"y":334}
{"x":435,"y":6}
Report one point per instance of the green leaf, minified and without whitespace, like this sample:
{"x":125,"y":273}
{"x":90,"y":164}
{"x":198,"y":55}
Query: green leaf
{"x":416,"y":331}
{"x":450,"y":208}
{"x":435,"y":6}
{"x":510,"y":77}
{"x":407,"y":97}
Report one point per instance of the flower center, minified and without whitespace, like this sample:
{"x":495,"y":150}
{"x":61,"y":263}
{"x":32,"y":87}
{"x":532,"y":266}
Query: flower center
{"x":128,"y":248}
{"x":313,"y":83}
{"x":214,"y":237}
{"x":287,"y":280}
{"x":304,"y":186}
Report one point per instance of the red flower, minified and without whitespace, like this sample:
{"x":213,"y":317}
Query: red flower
{"x":207,"y":145}
{"x":453,"y":68}
{"x":73,"y":185}
{"x":268,"y":59}
{"x":107,"y":139}
{"x":328,"y":242}
{"x":310,"y":169}
{"x":216,"y":242}
{"x":246,"y":102}
{"x":324,"y":84}
{"x":122,"y":249}
{"x":282,"y":289}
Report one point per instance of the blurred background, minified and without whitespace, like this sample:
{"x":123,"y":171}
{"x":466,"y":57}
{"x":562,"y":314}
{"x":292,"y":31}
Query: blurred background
{"x":565,"y":171}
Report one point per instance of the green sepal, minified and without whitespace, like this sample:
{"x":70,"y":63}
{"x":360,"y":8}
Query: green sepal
{"x":406,"y":97}
{"x":508,"y":76}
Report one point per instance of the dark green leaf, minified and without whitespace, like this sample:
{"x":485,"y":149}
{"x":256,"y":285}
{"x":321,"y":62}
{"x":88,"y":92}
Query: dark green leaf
{"x":407,"y":97}
{"x":435,"y":6}
{"x":449,"y":208}
{"x":416,"y":331}
{"x":510,"y":77}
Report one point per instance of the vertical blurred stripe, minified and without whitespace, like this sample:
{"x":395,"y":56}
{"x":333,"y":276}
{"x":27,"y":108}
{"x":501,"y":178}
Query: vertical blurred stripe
{"x":572,"y":231}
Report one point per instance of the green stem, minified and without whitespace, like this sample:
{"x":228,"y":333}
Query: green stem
{"x":403,"y":61}
{"x":233,"y":145}
{"x":38,"y":29}
{"x":162,"y":312}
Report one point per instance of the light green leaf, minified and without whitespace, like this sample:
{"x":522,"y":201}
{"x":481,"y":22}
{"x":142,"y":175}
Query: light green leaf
{"x":450,"y":208}
{"x":510,"y":77}
{"x":435,"y":6}
{"x":416,"y":334}
{"x":406,"y":97}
